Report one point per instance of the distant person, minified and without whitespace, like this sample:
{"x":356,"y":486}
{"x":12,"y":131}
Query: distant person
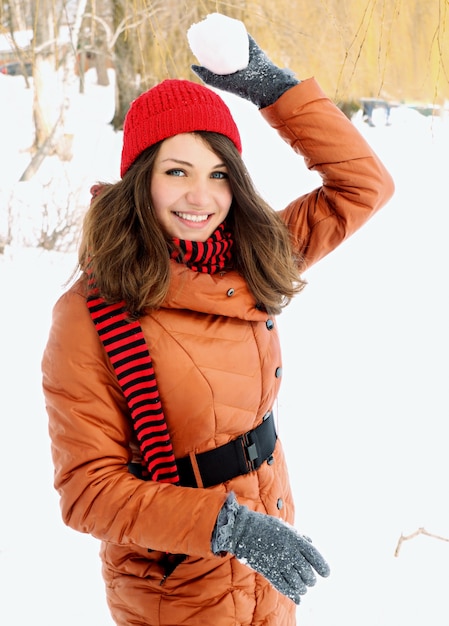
{"x":163,"y":364}
{"x":368,"y":107}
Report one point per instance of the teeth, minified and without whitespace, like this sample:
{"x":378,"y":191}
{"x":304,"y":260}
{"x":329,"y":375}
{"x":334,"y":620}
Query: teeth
{"x":192,"y":218}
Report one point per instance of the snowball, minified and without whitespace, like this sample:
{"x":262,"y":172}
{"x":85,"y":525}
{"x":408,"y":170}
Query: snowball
{"x":220,"y":43}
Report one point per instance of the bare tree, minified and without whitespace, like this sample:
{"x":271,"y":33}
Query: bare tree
{"x":54,"y":68}
{"x":45,"y":65}
{"x":94,"y":41}
{"x":15,"y":15}
{"x":126,"y":57}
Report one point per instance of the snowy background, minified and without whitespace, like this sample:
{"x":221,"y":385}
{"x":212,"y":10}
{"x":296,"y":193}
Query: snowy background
{"x":365,"y":394}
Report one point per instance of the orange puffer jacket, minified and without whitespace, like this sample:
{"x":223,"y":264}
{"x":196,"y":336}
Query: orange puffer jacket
{"x":218,"y":366}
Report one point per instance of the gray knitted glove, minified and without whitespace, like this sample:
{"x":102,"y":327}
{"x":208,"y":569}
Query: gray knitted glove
{"x":269,"y":546}
{"x":261,"y":82}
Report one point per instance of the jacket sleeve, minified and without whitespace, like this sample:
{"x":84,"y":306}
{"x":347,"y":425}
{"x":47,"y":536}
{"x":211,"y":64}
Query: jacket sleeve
{"x":90,"y":433}
{"x":355,"y":184}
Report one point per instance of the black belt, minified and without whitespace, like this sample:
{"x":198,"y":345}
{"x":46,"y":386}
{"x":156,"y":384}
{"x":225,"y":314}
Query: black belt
{"x":240,"y":456}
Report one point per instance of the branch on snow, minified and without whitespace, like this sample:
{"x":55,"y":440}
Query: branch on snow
{"x":420,"y":531}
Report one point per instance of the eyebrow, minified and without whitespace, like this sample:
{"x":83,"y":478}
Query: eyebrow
{"x":188,"y":164}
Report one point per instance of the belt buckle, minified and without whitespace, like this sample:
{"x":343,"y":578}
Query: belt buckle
{"x":251,"y":450}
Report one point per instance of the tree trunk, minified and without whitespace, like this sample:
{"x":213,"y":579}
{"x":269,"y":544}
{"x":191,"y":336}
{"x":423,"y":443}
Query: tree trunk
{"x":47,"y":102}
{"x":101,"y":68}
{"x":126,"y":66}
{"x":16,"y":15}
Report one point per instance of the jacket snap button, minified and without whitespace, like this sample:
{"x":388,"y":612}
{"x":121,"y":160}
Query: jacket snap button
{"x":230,"y":292}
{"x":269,"y":324}
{"x":278,"y":372}
{"x":279,"y":504}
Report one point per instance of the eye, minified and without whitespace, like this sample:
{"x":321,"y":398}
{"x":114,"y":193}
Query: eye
{"x":175,"y":172}
{"x":219,"y":175}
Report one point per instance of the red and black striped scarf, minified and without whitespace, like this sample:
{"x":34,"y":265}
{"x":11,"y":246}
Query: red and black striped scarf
{"x":126,"y":347}
{"x":208,"y":257}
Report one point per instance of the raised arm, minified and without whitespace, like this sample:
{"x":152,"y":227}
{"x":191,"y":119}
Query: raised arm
{"x":355,"y":184}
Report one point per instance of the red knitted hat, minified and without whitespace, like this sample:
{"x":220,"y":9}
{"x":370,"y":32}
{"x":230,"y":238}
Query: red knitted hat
{"x":170,"y":108}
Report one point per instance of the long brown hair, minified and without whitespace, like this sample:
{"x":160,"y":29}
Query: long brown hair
{"x":129,"y":253}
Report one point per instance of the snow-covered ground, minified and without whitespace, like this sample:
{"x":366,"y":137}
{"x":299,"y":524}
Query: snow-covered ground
{"x":365,"y":394}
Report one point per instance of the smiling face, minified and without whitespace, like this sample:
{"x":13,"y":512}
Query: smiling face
{"x":190,"y":190}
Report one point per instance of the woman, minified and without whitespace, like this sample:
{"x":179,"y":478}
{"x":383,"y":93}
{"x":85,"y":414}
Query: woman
{"x":163,"y":362}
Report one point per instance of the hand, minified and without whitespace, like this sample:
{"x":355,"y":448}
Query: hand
{"x":261,"y":82}
{"x":274,"y":549}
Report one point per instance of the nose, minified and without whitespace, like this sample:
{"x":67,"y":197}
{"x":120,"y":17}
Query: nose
{"x":198,"y":193}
